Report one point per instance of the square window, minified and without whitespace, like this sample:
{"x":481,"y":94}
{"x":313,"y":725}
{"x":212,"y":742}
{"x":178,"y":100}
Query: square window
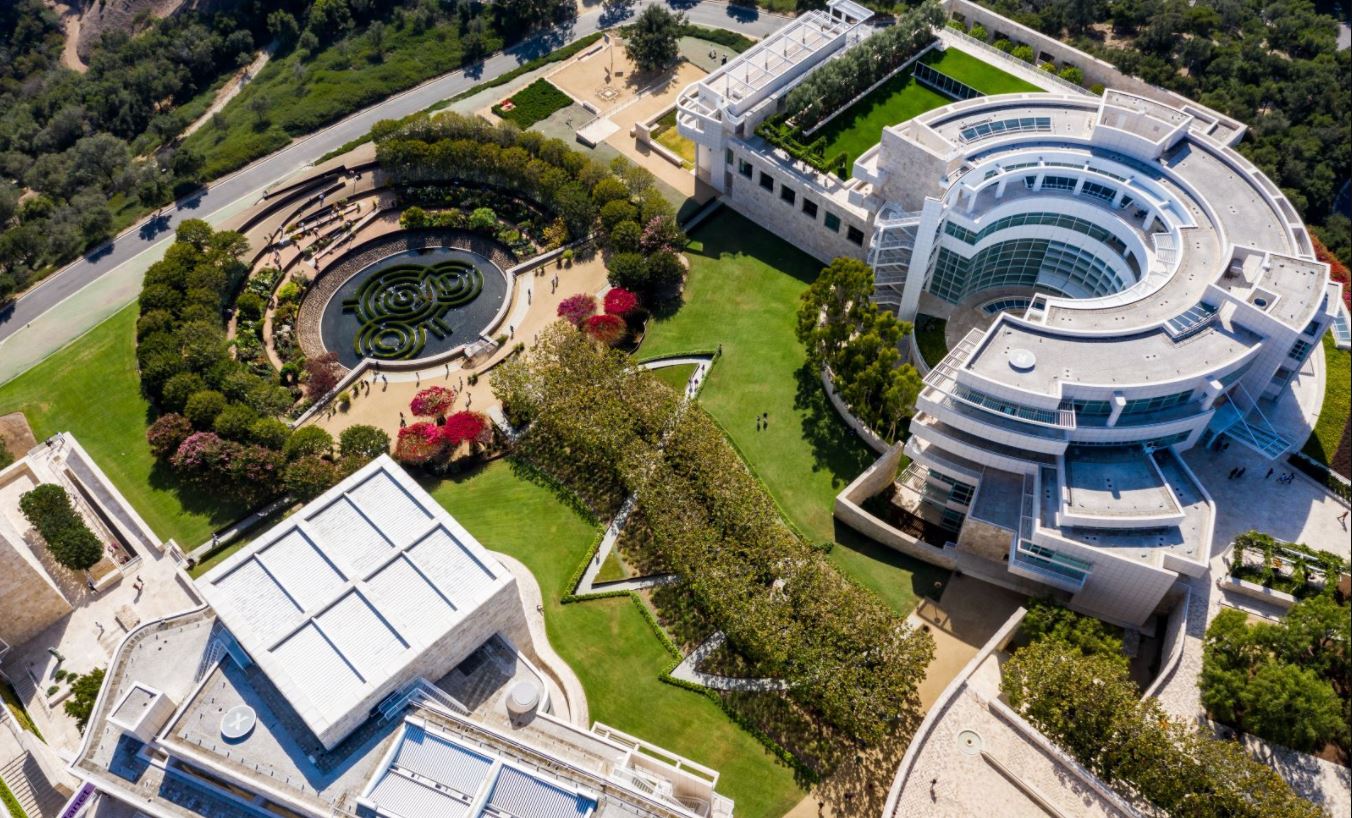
{"x":832,"y":222}
{"x":744,"y":168}
{"x":767,"y":181}
{"x":855,"y":235}
{"x":809,"y":208}
{"x":787,"y":194}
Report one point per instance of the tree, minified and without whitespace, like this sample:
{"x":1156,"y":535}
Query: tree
{"x":283,"y":27}
{"x":432,"y":402}
{"x":84,"y":693}
{"x":203,"y":407}
{"x":620,"y":301}
{"x":363,"y":442}
{"x":270,"y":432}
{"x":628,"y":270}
{"x":49,"y":509}
{"x":577,"y":308}
{"x":308,"y":441}
{"x":607,"y":329}
{"x":310,"y":476}
{"x":651,"y":40}
{"x":419,"y":444}
{"x":322,"y":373}
{"x":469,"y":427}
{"x":1292,"y":706}
{"x":235,"y":422}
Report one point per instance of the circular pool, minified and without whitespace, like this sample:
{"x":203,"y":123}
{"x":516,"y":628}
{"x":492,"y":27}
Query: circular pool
{"x":413,"y":304}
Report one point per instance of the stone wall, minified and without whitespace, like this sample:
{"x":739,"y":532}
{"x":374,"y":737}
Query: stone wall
{"x":29,"y":602}
{"x":849,"y":511}
{"x":990,"y":542}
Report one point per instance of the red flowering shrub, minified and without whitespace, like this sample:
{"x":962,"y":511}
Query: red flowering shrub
{"x":419,"y":444}
{"x":432,"y":402}
{"x":577,"y":308}
{"x":1337,"y":269}
{"x":608,"y":329}
{"x":202,"y":451}
{"x":662,"y":233}
{"x":467,"y":427}
{"x":167,"y":433}
{"x":620,"y":301}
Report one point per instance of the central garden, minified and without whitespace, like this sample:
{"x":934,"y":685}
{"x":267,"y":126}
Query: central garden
{"x":413,"y":304}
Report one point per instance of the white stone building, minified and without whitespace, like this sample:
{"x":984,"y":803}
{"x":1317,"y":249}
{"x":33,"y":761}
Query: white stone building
{"x":1119,"y":285}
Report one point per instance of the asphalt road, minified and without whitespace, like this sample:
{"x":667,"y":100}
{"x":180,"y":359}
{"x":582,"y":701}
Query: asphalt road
{"x":251,"y":180}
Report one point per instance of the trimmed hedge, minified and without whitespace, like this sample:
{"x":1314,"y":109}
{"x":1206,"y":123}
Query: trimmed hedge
{"x":72,"y":543}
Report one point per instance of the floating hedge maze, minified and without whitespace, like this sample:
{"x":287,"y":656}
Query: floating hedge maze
{"x":400,"y":305}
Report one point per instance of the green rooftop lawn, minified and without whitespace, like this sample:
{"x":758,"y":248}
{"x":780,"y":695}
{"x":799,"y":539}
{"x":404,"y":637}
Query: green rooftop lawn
{"x":743,"y":293}
{"x":1328,"y":442}
{"x":91,"y":388}
{"x":607,"y":642}
{"x":860,"y":126}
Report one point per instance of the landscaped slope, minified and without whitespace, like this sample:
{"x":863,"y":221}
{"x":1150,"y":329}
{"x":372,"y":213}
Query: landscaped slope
{"x":607,"y":642}
{"x":742,"y":294}
{"x":91,"y":389}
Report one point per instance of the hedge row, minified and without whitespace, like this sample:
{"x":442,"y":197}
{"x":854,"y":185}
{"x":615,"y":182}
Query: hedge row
{"x":72,"y":543}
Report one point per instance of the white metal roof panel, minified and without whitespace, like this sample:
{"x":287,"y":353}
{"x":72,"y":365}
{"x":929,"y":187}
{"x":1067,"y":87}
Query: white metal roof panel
{"x":524,"y":796}
{"x":390,"y":507}
{"x":268,"y":611}
{"x":413,"y":606}
{"x":301,"y":571}
{"x":398,"y":795}
{"x":442,"y":761}
{"x":361,"y":635}
{"x":350,"y":538}
{"x":451,"y":566}
{"x":315,"y":666}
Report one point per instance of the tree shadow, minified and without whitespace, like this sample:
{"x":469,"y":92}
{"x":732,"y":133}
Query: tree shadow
{"x":730,"y":232}
{"x":835,"y":447}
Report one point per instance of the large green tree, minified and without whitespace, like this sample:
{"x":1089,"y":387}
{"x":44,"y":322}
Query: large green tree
{"x":651,"y":40}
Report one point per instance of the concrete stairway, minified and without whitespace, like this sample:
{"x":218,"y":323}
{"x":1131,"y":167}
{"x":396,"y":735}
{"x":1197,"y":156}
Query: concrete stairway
{"x":25,"y":779}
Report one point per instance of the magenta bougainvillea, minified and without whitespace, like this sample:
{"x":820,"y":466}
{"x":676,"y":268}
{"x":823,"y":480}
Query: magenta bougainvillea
{"x":620,"y":301}
{"x":608,"y":329}
{"x":202,"y":450}
{"x":467,"y":427}
{"x":577,"y":308}
{"x":418,"y":444}
{"x":434,"y":401}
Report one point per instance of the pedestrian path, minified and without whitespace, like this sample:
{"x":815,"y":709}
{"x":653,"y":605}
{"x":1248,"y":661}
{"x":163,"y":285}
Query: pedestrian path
{"x":688,"y":671}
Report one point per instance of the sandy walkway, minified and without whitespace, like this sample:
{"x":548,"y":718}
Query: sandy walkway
{"x":231,"y":89}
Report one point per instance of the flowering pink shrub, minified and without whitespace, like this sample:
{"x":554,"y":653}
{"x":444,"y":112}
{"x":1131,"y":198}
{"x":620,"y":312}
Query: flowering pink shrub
{"x":418,"y":444}
{"x":620,"y":301}
{"x":577,"y":308}
{"x":432,"y":402}
{"x":200,"y":451}
{"x":608,"y":329}
{"x":167,"y":433}
{"x":467,"y":427}
{"x":661,"y":233}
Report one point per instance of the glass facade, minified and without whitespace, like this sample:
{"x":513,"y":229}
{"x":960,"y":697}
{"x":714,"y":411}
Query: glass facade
{"x":1000,"y":127}
{"x":1022,"y":263}
{"x":1075,"y":223}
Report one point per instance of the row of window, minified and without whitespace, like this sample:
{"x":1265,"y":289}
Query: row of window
{"x":789,"y":196}
{"x":1068,"y":183}
{"x":1061,"y":220}
{"x":1139,"y":406}
{"x":1021,"y":263}
{"x":985,"y":130}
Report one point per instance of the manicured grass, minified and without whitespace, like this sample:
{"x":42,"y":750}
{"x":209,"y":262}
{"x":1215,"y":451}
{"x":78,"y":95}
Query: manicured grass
{"x":292,"y":96}
{"x":15,"y":704}
{"x":91,"y":389}
{"x":612,"y":569}
{"x":1329,"y":442}
{"x":929,"y":336}
{"x":677,"y":377}
{"x":668,"y":137}
{"x":607,"y":642}
{"x":11,"y":803}
{"x":860,"y":127}
{"x":743,"y":292}
{"x":533,"y":103}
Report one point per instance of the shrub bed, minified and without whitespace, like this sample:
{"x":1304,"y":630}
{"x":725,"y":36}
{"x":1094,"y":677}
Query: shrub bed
{"x":533,"y":103}
{"x":72,"y":543}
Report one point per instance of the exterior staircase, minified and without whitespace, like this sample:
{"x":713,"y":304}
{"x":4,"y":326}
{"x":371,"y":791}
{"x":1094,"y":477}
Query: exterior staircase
{"x":25,"y":779}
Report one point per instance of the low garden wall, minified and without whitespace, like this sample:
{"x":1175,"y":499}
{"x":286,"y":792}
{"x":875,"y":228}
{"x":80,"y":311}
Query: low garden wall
{"x":849,"y":510}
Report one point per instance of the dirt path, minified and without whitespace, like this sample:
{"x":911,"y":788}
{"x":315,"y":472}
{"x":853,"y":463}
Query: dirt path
{"x":231,"y":89}
{"x":70,"y":21}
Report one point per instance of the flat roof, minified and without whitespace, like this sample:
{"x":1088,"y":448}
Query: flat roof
{"x":1115,"y":481}
{"x":342,"y":596}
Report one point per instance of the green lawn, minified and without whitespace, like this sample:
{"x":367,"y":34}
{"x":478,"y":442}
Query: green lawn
{"x":533,"y":103}
{"x":607,"y":642}
{"x":860,"y":127}
{"x":670,"y":138}
{"x":677,"y":377}
{"x":743,"y":293}
{"x":1328,"y":442}
{"x":929,"y":336}
{"x":91,"y":388}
